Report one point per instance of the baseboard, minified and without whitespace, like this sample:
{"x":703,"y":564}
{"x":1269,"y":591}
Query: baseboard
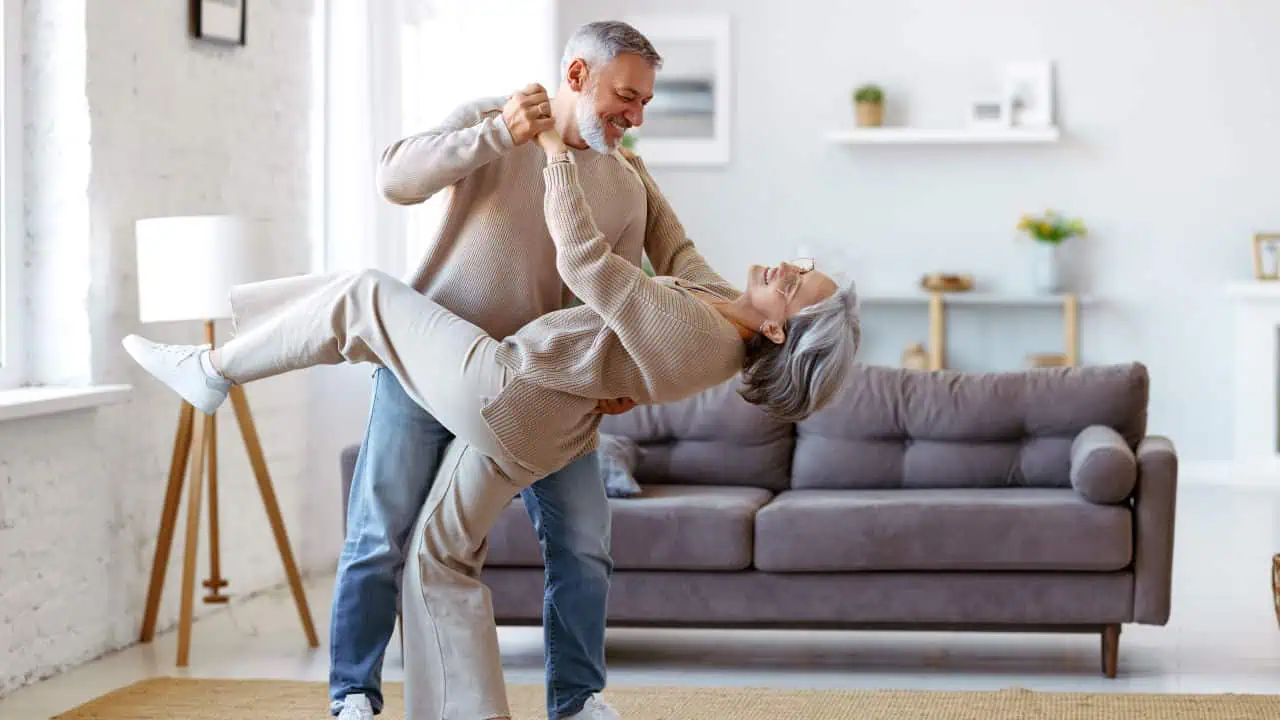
{"x":1227,"y":474}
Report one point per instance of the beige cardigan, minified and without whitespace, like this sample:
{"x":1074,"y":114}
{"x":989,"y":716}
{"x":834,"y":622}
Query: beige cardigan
{"x":649,"y":339}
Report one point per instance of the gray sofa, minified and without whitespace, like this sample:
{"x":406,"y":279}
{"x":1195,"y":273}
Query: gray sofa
{"x":1018,"y":501}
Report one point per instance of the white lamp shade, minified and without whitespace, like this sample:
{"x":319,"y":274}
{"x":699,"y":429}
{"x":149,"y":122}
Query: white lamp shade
{"x":187,"y":265}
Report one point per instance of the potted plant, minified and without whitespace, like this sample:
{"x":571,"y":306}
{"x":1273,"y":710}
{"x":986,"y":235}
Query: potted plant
{"x":868,"y":101}
{"x":1049,"y":231}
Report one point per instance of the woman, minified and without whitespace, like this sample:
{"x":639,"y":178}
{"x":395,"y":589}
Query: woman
{"x":525,"y":406}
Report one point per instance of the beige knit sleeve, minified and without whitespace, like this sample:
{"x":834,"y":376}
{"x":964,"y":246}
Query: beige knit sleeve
{"x":669,"y":248}
{"x":416,"y":167}
{"x":602,"y":279}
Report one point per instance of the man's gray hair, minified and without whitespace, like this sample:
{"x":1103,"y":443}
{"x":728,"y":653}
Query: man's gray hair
{"x":600,"y":42}
{"x":798,"y":377}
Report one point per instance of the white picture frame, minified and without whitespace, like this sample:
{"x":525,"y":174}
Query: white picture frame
{"x":1028,"y":91}
{"x":688,"y":121}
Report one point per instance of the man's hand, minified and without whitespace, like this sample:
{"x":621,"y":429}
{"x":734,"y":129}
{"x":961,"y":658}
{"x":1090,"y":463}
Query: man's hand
{"x":528,"y":113}
{"x":614,"y":407}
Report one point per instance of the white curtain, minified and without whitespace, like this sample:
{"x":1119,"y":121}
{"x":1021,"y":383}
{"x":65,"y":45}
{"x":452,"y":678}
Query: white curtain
{"x":396,"y":67}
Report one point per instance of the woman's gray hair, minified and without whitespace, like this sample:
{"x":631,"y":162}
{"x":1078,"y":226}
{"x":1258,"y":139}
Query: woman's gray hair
{"x":798,"y":377}
{"x":600,"y":42}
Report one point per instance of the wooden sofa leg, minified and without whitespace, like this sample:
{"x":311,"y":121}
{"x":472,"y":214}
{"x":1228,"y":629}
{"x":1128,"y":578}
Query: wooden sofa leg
{"x":1110,"y":650}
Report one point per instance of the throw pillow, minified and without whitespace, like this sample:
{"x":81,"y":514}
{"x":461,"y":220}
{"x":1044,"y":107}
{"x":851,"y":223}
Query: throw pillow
{"x":618,"y":458}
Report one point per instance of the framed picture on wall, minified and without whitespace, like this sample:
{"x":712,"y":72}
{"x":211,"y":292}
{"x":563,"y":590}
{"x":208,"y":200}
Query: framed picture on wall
{"x":687,"y":122}
{"x":219,"y":21}
{"x":1266,"y":256}
{"x":1028,"y":92}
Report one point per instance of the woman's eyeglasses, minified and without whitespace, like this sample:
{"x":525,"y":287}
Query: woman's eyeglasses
{"x":791,"y":283}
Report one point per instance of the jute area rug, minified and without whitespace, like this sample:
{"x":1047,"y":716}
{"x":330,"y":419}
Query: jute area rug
{"x":191,"y":699}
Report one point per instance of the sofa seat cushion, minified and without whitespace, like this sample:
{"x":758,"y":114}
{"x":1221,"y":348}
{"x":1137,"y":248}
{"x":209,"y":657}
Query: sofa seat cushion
{"x":954,"y":529}
{"x":665,"y":527}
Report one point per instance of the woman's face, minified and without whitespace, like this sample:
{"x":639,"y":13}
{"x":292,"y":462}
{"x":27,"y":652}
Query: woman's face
{"x":780,"y":291}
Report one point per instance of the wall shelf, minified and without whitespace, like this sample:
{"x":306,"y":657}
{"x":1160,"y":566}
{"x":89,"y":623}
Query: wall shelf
{"x":944,"y":136}
{"x":972,"y":298}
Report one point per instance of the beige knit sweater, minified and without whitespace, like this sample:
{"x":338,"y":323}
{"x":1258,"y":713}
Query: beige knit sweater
{"x":492,"y":260}
{"x":650,"y":339}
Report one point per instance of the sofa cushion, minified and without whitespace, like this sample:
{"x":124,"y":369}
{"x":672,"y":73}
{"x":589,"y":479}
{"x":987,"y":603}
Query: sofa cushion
{"x":618,"y":457}
{"x":898,"y":428}
{"x":712,"y":438}
{"x":970,"y":529}
{"x":665,"y":527}
{"x":1103,"y":468}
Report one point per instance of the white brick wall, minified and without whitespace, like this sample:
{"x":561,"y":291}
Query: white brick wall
{"x":173,"y":126}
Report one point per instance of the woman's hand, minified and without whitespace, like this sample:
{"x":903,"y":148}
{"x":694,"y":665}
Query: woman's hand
{"x":551,"y":142}
{"x":614,"y":407}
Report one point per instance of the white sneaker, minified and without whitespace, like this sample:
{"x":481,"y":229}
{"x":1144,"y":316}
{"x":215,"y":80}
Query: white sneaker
{"x":356,"y":707}
{"x":596,"y":709}
{"x":178,"y":366}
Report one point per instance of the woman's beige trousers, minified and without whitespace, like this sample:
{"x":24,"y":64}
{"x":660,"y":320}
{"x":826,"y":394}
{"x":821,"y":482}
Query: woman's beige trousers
{"x":452,"y":667}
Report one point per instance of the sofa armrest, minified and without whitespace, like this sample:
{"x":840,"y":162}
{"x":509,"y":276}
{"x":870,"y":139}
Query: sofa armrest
{"x":1155,"y":504}
{"x":1103,"y":468}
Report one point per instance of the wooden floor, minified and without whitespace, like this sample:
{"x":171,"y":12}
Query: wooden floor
{"x":1223,"y":637}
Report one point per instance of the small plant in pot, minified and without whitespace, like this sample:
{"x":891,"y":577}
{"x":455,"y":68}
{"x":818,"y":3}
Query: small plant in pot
{"x":868,"y":102}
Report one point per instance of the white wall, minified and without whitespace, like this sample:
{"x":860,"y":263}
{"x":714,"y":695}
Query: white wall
{"x":1169,"y":109}
{"x":172,"y":126}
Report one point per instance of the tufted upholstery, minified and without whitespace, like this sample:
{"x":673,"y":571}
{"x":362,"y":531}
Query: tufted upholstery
{"x":713,"y":438}
{"x":896,"y":428}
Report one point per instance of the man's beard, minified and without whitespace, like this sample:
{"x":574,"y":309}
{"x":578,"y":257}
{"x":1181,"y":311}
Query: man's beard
{"x":590,"y":127}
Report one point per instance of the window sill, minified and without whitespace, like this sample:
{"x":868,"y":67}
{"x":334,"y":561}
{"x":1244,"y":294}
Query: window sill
{"x":34,"y":401}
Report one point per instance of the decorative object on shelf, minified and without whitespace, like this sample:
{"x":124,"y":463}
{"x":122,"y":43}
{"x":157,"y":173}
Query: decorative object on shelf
{"x":1047,"y":360}
{"x":1266,"y":256}
{"x":989,"y":114}
{"x":868,"y":103}
{"x":218,"y":21}
{"x":946,"y":282}
{"x":1028,"y":92}
{"x":915,"y":357}
{"x":687,"y":122}
{"x":1049,"y":232}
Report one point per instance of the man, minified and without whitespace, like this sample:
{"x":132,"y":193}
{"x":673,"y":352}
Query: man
{"x":483,"y":156}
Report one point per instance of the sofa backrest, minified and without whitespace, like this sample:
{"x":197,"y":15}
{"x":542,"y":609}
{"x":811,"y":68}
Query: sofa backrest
{"x":713,"y":438}
{"x":897,"y":428}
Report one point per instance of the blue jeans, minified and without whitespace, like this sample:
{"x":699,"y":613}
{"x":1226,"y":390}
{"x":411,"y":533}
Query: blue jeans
{"x":401,"y":450}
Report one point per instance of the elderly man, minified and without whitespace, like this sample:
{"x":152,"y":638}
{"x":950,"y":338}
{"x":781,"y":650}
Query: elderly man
{"x":483,"y":155}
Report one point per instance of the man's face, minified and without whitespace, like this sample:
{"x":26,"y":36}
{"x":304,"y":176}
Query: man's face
{"x":611,"y":99}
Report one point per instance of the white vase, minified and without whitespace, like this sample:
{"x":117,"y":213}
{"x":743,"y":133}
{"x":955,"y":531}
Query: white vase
{"x":1046,"y":267}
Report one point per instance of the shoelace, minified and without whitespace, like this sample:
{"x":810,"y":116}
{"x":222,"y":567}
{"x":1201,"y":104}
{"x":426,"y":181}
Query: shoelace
{"x":178,"y":350}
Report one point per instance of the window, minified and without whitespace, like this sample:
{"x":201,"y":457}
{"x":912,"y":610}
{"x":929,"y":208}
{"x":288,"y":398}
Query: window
{"x":11,"y":225}
{"x":395,"y":69}
{"x":518,"y":37}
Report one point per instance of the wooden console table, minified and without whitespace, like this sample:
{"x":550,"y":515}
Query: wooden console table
{"x":937,"y":303}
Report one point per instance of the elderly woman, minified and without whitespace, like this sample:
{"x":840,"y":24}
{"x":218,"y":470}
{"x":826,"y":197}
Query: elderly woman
{"x":526,"y":405}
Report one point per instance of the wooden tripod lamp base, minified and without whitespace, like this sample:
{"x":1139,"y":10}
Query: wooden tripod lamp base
{"x":196,"y":443}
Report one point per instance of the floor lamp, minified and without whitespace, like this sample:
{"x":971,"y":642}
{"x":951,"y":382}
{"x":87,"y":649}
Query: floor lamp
{"x":186,"y":266}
